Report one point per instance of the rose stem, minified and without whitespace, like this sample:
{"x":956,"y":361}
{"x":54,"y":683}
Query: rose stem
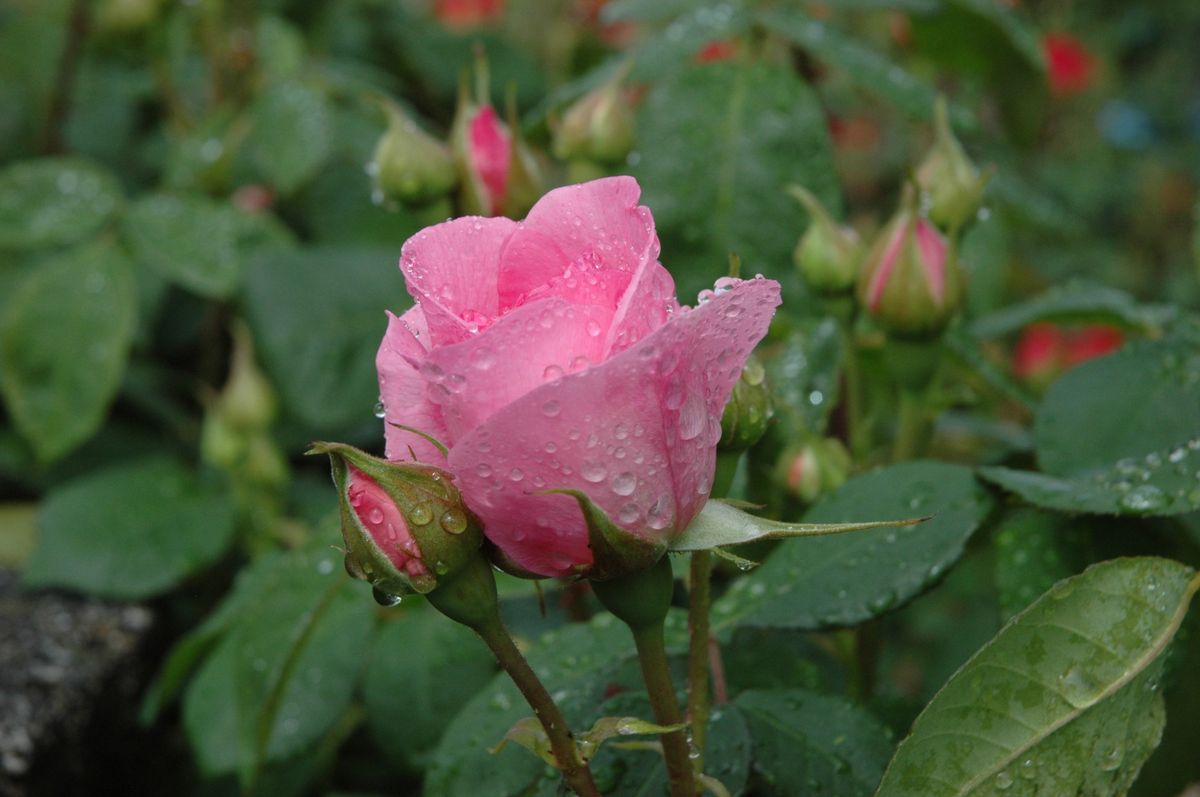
{"x":469,"y":597}
{"x":910,"y":426}
{"x":652,"y":654}
{"x":562,"y":742}
{"x":699,"y":598}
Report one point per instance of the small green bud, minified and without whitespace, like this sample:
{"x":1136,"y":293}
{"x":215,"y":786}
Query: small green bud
{"x":951,"y":186}
{"x":598,"y":126}
{"x":828,"y":254}
{"x":814,"y":468}
{"x":749,"y":409}
{"x":910,"y":279}
{"x":405,"y":525}
{"x":410,"y":165}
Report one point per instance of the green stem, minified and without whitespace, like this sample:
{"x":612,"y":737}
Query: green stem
{"x":855,"y":422}
{"x":562,"y":741}
{"x":652,"y":654}
{"x":910,"y":430}
{"x":698,"y":631}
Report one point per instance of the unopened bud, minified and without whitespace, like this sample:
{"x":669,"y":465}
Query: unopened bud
{"x":749,"y":409}
{"x":950,"y":184}
{"x":828,"y":254}
{"x":910,"y":280}
{"x":126,"y":16}
{"x":597,"y":127}
{"x":405,"y":526}
{"x":814,"y":468}
{"x":409,"y":164}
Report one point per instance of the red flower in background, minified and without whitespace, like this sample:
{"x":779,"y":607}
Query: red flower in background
{"x":467,"y":14}
{"x":716,"y":50}
{"x":1070,"y":67}
{"x":1045,"y":350}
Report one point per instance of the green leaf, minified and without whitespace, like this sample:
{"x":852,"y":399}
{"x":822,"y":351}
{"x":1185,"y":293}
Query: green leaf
{"x":1035,"y":550}
{"x":194,"y":241}
{"x":286,"y":669}
{"x":131,"y":531}
{"x":869,"y":68}
{"x":1076,"y":302}
{"x":847,"y":578}
{"x":1141,"y":399}
{"x":1118,"y":435}
{"x":1161,"y":483}
{"x":1063,"y":700}
{"x":808,"y":743}
{"x":674,"y":47}
{"x":423,"y":669}
{"x":967,"y":349}
{"x":64,"y":342}
{"x":720,"y":524}
{"x":52,"y":201}
{"x":292,"y":134}
{"x":718,"y":145}
{"x":318,"y":316}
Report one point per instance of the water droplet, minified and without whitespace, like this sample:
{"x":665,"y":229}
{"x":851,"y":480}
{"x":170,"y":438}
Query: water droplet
{"x":1078,"y":686}
{"x":1003,"y":781}
{"x":375,"y":516}
{"x":420,"y":514}
{"x":1145,"y":498}
{"x":629,"y":513}
{"x":380,"y":409}
{"x":384,"y":598}
{"x":516,"y":475}
{"x":453,"y":521}
{"x":693,"y":416}
{"x":624,"y":483}
{"x":551,"y":408}
{"x":552,"y":372}
{"x":1112,"y":759}
{"x":593,"y":471}
{"x":659,"y":515}
{"x":593,"y":329}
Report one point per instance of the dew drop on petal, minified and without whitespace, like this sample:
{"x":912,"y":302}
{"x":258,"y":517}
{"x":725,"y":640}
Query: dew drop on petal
{"x":624,"y":483}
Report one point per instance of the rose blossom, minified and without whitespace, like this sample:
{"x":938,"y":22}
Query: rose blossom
{"x":552,"y":354}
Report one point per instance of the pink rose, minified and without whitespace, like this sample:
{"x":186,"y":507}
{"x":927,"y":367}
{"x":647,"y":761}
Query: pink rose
{"x":552,"y":354}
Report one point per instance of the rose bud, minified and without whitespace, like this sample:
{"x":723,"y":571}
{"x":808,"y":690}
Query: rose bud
{"x":404,"y":524}
{"x":498,"y":171}
{"x":813,"y":469}
{"x":598,"y":126}
{"x":910,"y":280}
{"x":1070,"y":67}
{"x":749,"y":409}
{"x":553,"y":360}
{"x":410,"y":165}
{"x":466,"y":15}
{"x":828,"y":254}
{"x":949,"y":182}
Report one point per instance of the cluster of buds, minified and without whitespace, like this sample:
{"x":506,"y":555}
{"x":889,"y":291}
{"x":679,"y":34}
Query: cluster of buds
{"x":908,"y":279}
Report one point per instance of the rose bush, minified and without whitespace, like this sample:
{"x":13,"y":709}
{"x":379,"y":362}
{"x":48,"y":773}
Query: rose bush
{"x":553,"y":354}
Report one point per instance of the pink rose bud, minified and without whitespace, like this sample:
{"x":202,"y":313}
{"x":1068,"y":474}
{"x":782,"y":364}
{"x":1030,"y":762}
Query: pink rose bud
{"x":910,"y":281}
{"x":828,"y":254}
{"x":404,"y":524}
{"x":500,"y":174}
{"x":552,"y":355}
{"x":410,"y":166}
{"x":951,"y":186}
{"x":598,"y":126}
{"x":814,"y":468}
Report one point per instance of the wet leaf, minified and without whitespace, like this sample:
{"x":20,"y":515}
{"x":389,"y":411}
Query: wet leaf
{"x":53,"y":201}
{"x":1064,"y":700}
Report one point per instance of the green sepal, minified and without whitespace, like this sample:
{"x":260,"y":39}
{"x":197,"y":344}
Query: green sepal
{"x":720,"y":524}
{"x":528,"y":733}
{"x":639,"y":599}
{"x":615,"y":551}
{"x":606,"y":728}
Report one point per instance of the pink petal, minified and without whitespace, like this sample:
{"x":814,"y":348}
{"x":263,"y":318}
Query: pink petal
{"x":491,"y":153}
{"x":451,"y":270}
{"x":402,"y":390}
{"x":880,"y":278}
{"x":594,"y":225}
{"x":646,"y":306}
{"x":637,"y":433}
{"x":380,"y":516}
{"x":534,"y":344}
{"x":933,"y":258}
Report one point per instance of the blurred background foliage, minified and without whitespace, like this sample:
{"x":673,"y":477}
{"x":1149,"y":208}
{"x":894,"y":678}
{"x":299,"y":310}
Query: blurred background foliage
{"x":196,"y":253}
